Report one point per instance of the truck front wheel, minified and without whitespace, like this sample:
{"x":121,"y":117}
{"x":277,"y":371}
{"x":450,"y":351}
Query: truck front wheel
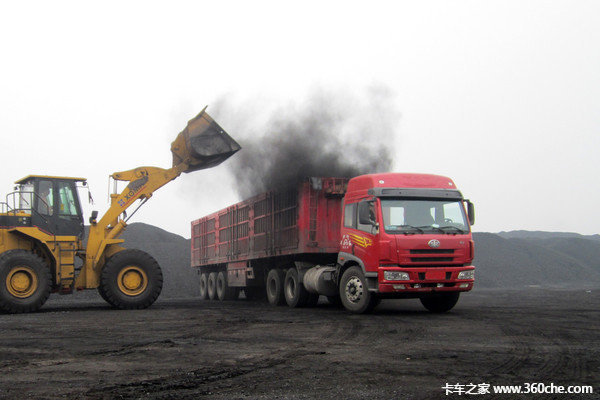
{"x":25,"y":282}
{"x":131,"y":279}
{"x":440,"y":302}
{"x":354,"y":292}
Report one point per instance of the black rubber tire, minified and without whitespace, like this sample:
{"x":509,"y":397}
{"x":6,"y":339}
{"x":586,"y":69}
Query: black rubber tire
{"x":295,"y":293}
{"x":211,"y":286}
{"x":274,"y":287}
{"x":354,"y":292}
{"x":102,"y":294}
{"x":203,"y":286}
{"x":110,"y":272}
{"x":225,"y":292}
{"x":12,"y":304}
{"x":440,"y":302}
{"x":255,"y":293}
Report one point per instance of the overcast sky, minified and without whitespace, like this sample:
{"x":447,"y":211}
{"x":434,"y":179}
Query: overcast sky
{"x":501,"y":96}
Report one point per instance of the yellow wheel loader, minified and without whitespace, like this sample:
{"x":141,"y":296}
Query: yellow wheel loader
{"x":42,"y":231}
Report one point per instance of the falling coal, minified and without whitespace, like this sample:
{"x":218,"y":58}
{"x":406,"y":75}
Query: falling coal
{"x":331,"y":134}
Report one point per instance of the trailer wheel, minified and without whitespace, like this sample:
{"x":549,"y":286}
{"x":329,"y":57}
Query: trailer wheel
{"x":203,"y":286}
{"x":25,"y":282}
{"x":211,"y":286}
{"x":440,"y":302}
{"x":275,"y":287}
{"x":131,"y":279}
{"x":225,"y":292}
{"x":354,"y":292}
{"x":295,"y":293}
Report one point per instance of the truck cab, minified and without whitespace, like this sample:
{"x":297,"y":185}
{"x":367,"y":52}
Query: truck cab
{"x":410,"y":236}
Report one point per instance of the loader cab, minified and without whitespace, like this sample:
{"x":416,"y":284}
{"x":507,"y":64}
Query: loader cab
{"x":54,"y":204}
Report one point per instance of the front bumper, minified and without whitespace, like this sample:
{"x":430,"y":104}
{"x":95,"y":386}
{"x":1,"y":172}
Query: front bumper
{"x":431,"y":279}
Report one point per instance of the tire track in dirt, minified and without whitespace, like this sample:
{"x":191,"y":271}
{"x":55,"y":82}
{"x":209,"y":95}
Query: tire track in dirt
{"x":192,"y":384}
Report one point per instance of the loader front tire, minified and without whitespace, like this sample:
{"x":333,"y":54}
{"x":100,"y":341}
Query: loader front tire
{"x":25,"y":282}
{"x":131,"y":279}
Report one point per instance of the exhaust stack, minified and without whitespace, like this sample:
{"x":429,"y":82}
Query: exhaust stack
{"x":202,"y":144}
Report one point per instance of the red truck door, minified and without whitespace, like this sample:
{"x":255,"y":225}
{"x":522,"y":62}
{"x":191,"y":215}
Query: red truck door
{"x":358,"y":239}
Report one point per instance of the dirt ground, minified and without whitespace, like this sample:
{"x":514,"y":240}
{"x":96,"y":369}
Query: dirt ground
{"x":188,"y":349}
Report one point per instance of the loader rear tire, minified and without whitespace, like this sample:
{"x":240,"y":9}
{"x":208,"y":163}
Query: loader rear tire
{"x":131,"y":279}
{"x":295,"y":293}
{"x":25,"y":282}
{"x":203,"y":286}
{"x":211,"y":285}
{"x":275,"y":287}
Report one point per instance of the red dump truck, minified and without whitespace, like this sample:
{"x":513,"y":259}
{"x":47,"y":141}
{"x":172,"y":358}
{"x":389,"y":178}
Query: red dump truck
{"x":355,"y":241}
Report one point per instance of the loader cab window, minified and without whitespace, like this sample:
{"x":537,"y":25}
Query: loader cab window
{"x":66,"y":205}
{"x":26,"y":196}
{"x":45,"y":198}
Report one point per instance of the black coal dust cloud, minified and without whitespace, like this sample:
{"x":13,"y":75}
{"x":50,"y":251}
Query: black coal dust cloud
{"x":329,"y":134}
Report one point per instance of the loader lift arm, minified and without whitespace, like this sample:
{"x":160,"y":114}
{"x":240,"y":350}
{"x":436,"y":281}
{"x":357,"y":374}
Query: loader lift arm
{"x":202,"y":144}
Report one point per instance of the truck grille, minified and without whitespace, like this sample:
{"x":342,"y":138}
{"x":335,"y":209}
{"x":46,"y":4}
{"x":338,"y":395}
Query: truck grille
{"x":431,"y":259}
{"x":432,"y":251}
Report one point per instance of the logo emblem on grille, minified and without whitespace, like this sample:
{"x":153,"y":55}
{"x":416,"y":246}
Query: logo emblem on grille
{"x":433,"y":243}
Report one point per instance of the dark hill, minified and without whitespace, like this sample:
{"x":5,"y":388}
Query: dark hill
{"x":518,"y":263}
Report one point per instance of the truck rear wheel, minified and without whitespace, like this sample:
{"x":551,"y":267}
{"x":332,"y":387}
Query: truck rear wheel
{"x":203,"y":286}
{"x":354,"y":292}
{"x":131,"y":279}
{"x":25,"y":282}
{"x":295,"y":293}
{"x":275,"y":287}
{"x":211,"y":286}
{"x":440,"y":302}
{"x":225,"y":292}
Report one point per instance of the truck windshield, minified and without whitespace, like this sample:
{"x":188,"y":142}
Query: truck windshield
{"x":403,"y":216}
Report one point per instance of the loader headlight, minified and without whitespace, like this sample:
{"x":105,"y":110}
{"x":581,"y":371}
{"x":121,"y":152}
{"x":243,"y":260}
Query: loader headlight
{"x":395,"y":276}
{"x":467,"y":274}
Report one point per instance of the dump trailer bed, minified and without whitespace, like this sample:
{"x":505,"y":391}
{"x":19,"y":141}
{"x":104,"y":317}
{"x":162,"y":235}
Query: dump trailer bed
{"x":302,"y":222}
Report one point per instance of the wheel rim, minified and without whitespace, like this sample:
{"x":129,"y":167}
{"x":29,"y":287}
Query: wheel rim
{"x":132,"y":280}
{"x":21,"y":281}
{"x":354,"y":289}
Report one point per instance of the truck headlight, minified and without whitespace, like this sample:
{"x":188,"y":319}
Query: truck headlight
{"x":395,"y":276}
{"x":467,"y":274}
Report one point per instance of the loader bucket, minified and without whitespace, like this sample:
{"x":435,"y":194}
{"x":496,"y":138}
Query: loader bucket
{"x":202,"y":144}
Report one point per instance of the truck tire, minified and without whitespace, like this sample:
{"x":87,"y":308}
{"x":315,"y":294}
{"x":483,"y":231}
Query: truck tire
{"x":440,"y":302}
{"x":25,"y":282}
{"x":131,"y":279}
{"x":295,"y":293}
{"x":225,"y":292}
{"x":354,"y":292}
{"x":211,"y":286}
{"x":203,"y":286}
{"x":275,"y":287}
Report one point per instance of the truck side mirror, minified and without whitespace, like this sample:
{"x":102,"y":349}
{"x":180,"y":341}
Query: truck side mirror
{"x":364,"y":213}
{"x":471,"y":212}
